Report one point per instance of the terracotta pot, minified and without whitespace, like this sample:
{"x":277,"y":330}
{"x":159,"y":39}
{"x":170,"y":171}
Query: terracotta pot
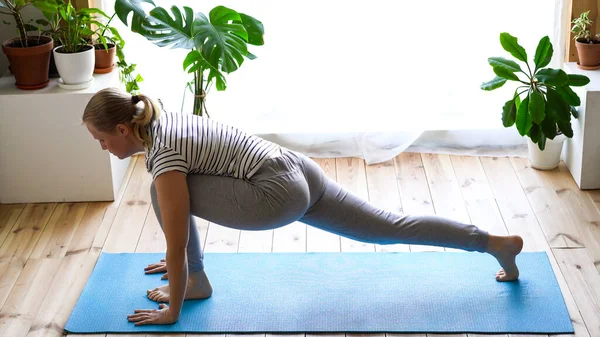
{"x":589,"y":54}
{"x":30,"y":65}
{"x":105,"y":59}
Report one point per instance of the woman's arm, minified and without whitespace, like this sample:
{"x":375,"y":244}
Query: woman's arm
{"x":174,"y":203}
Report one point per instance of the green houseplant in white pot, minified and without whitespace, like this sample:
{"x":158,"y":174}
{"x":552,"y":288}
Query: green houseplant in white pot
{"x":75,"y":58}
{"x":542,"y":105}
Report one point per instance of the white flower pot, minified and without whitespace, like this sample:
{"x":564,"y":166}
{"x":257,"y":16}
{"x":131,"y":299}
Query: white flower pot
{"x":550,"y":157}
{"x":75,"y":68}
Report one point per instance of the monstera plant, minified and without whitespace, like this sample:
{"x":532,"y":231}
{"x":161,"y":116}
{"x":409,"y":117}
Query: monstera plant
{"x":218,"y":45}
{"x":542,"y":106}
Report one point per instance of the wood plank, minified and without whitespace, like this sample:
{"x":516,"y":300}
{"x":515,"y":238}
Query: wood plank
{"x":8,"y":217}
{"x":55,"y":310}
{"x":56,"y":237}
{"x":24,"y":235}
{"x":131,"y":214}
{"x":318,"y":240}
{"x":9,"y":273}
{"x":414,"y":191}
{"x":221,"y":239}
{"x":256,"y":241}
{"x":383,"y":192}
{"x":584,"y":281}
{"x":477,"y":194}
{"x":88,"y":228}
{"x":112,"y":208}
{"x":513,"y":204}
{"x":581,"y":208}
{"x":556,"y":223}
{"x":152,"y":239}
{"x":351,"y":174}
{"x":19,"y":310}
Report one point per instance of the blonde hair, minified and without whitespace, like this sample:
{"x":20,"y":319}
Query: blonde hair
{"x":110,"y":107}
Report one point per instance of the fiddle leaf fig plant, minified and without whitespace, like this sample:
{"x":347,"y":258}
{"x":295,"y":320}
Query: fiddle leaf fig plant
{"x":542,"y":106}
{"x":217,"y":44}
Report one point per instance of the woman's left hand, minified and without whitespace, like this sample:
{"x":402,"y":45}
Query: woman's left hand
{"x":152,"y":316}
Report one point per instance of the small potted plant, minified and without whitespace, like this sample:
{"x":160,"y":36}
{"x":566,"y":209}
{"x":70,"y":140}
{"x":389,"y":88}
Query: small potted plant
{"x":29,"y":56}
{"x":588,"y":46}
{"x":106,"y":47}
{"x":542,"y":106}
{"x":75,"y":58}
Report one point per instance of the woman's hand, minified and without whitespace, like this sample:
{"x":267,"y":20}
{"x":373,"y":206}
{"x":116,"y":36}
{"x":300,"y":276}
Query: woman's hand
{"x":159,"y":267}
{"x":152,"y":316}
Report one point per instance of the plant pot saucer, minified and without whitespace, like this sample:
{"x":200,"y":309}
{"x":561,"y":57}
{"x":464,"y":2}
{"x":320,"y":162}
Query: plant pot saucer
{"x":104,"y":70}
{"x":588,"y":67}
{"x":32,"y":87}
{"x":78,"y":86}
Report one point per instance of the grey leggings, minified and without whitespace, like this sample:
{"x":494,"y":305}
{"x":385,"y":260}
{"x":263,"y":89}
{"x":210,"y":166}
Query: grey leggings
{"x":292,"y":187}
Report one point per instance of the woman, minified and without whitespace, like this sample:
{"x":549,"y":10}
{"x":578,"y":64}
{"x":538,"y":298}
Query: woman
{"x":219,"y":173}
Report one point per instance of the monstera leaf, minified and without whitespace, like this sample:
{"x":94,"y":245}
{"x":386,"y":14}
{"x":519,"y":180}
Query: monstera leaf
{"x":124,"y":7}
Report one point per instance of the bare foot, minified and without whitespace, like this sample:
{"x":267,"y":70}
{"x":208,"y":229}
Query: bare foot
{"x":505,"y":249}
{"x":198,"y":288}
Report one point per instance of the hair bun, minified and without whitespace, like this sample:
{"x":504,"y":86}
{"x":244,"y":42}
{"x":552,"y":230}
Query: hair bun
{"x":135,"y":99}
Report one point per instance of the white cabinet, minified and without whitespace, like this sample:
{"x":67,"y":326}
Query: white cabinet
{"x":46,"y":153}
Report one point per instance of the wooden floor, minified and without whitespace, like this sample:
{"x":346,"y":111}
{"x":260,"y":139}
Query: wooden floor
{"x":47,"y":251}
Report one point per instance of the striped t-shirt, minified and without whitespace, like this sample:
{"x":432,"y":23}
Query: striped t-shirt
{"x":196,"y":145}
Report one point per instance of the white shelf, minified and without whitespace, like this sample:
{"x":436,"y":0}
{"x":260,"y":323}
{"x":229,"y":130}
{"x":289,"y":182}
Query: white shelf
{"x":46,"y":153}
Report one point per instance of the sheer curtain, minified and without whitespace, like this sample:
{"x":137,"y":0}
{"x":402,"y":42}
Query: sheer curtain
{"x":367,"y":79}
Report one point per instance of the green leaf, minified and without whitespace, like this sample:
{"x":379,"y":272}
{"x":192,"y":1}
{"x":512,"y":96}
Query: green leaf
{"x":124,"y":7}
{"x":549,"y":126}
{"x":554,"y":77}
{"x":509,"y":113}
{"x":534,"y":133}
{"x":222,"y":44}
{"x":511,"y":45}
{"x":500,"y":62}
{"x":543,"y":53}
{"x":574,"y":112}
{"x":569,"y":95}
{"x":20,"y":3}
{"x":537,"y":107}
{"x":559,"y":108}
{"x":164,"y":30}
{"x":524,"y":122}
{"x":496,"y":83}
{"x":542,"y":141}
{"x":576,"y":80}
{"x":565,"y":128}
{"x":255,"y":29}
{"x":502,"y":72}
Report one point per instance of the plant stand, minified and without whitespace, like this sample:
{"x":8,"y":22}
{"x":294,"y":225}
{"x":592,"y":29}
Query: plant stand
{"x":581,"y":153}
{"x":46,"y":153}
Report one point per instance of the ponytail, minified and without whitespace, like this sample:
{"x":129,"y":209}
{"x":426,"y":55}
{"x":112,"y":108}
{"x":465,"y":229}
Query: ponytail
{"x":110,"y":107}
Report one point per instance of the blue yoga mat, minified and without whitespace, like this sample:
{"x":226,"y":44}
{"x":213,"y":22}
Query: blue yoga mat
{"x":420,"y":292}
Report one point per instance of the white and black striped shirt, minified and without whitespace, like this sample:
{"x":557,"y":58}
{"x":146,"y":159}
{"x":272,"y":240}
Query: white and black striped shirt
{"x":196,"y":145}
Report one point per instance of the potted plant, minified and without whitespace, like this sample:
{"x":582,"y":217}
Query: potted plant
{"x":217,"y":44}
{"x":588,"y":47}
{"x":29,"y":56}
{"x":75,"y":58}
{"x":109,"y":45}
{"x":542,"y":106}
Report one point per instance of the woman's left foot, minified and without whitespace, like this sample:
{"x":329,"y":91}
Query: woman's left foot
{"x":198,"y":288}
{"x":505,"y":249}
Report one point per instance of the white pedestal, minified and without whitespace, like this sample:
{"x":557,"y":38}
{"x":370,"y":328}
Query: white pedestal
{"x":46,"y":153}
{"x":582,"y":152}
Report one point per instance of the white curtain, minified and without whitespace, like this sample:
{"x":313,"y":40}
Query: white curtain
{"x":367,"y":79}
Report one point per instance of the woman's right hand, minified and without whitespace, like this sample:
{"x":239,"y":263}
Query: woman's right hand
{"x":158,"y":267}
